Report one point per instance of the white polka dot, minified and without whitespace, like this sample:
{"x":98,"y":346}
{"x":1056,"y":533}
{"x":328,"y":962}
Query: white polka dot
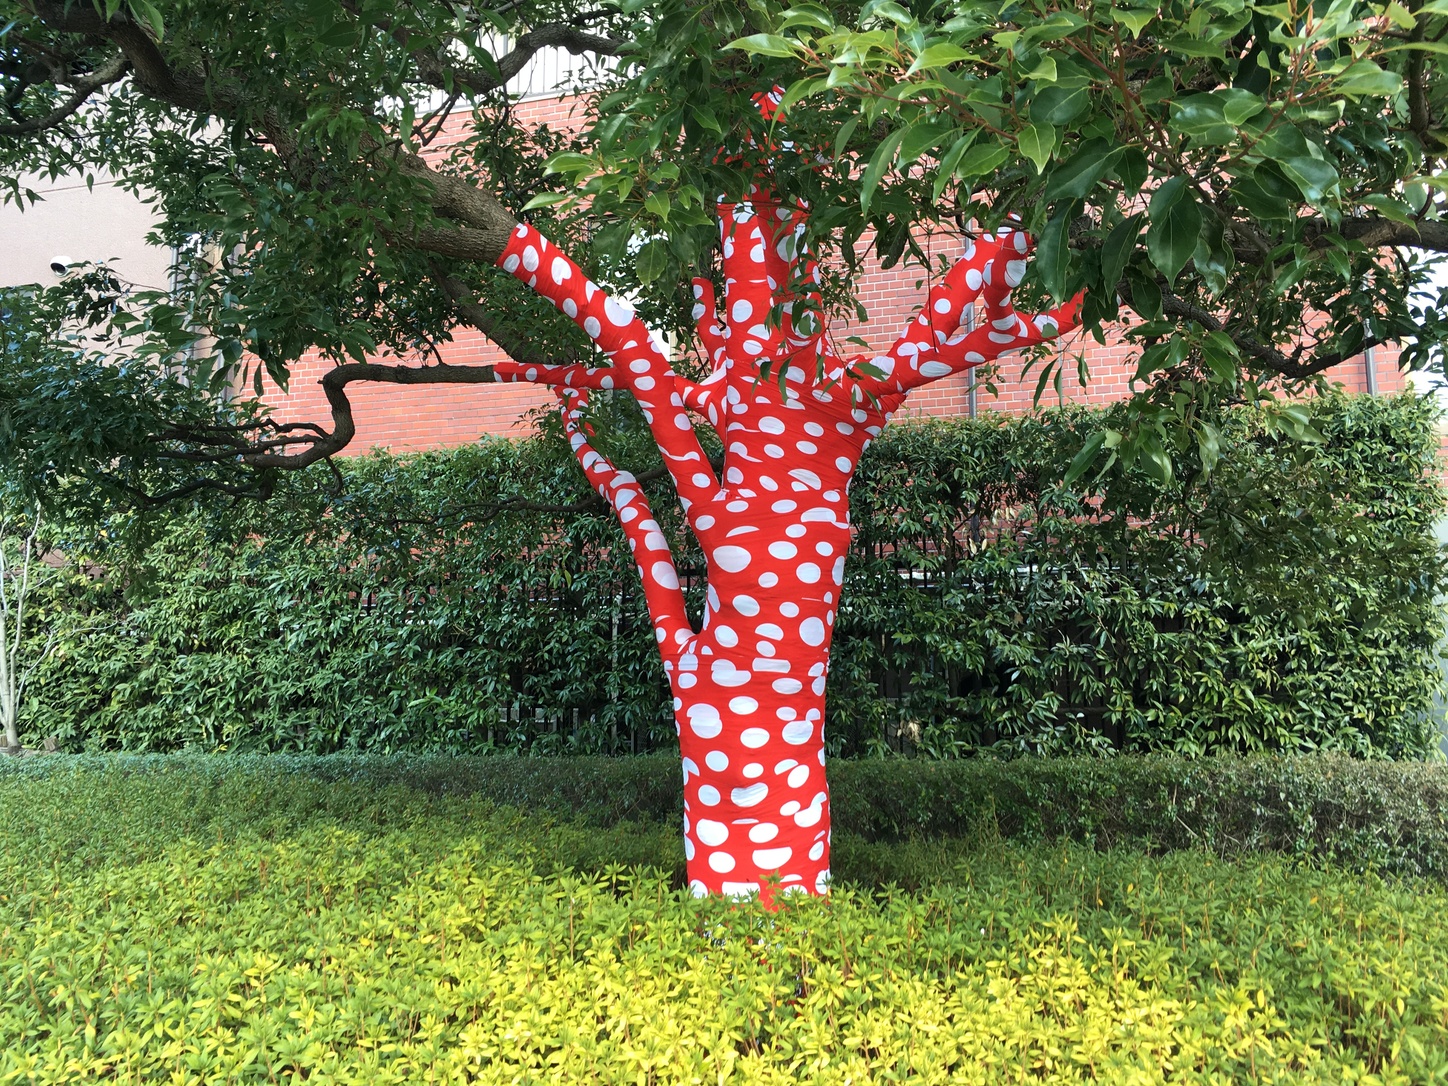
{"x":741,"y":310}
{"x":843,"y":463}
{"x":797,"y":732}
{"x":700,"y":890}
{"x":717,"y":760}
{"x":731,"y":559}
{"x":712,"y":833}
{"x":754,"y":738}
{"x":559,"y":269}
{"x":809,"y":573}
{"x":784,"y":505}
{"x":530,"y":259}
{"x":790,"y":808}
{"x":816,"y":850}
{"x":724,"y":673}
{"x":809,"y":448}
{"x":510,"y":265}
{"x":618,"y":313}
{"x":664,"y":575}
{"x":798,"y":776}
{"x":767,"y":859}
{"x":783,"y":549}
{"x":726,"y":636}
{"x":721,"y":862}
{"x":788,"y":610}
{"x":704,"y":521}
{"x":592,"y":327}
{"x":709,"y":795}
{"x":794,"y":531}
{"x":746,"y":605}
{"x":704,"y":721}
{"x":942,"y":305}
{"x":763,"y":832}
{"x":769,"y":630}
{"x":743,"y":706}
{"x":787,"y":686}
{"x":570,"y":307}
{"x":771,"y":425}
{"x":934,"y":369}
{"x":809,"y":816}
{"x":774,"y":452}
{"x":701,"y":480}
{"x":748,"y":797}
{"x":768,"y":580}
{"x":752,"y":770}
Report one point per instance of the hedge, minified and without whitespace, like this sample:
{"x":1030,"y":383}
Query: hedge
{"x":443,"y":942}
{"x":1385,"y":816}
{"x":468,"y":602}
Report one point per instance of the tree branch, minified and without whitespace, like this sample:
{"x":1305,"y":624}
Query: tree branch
{"x":560,"y":35}
{"x":262,"y":454}
{"x":110,"y":72}
{"x":1294,"y":367}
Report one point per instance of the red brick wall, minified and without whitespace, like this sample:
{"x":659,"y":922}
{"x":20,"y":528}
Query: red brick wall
{"x":434,"y":417}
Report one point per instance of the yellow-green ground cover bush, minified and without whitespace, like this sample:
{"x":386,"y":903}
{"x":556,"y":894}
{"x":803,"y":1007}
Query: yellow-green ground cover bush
{"x":326,"y":932}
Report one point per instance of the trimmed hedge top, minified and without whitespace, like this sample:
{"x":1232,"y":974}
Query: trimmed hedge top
{"x":1388,"y":816}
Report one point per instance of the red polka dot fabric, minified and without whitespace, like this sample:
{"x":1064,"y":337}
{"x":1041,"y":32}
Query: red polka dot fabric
{"x":749,"y":683}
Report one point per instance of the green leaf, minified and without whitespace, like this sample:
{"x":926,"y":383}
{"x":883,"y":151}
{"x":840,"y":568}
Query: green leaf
{"x":652,"y":261}
{"x":1239,"y":106}
{"x":546,"y":199}
{"x":1313,"y":177}
{"x":1364,"y":79}
{"x":981,"y":159}
{"x":807,"y":15}
{"x":766,"y":45}
{"x":1134,"y":19}
{"x":1082,"y":461}
{"x":1056,"y":105}
{"x":1202,"y":118}
{"x":707,"y":118}
{"x":1131,"y":169}
{"x":879,"y":162}
{"x":945,"y":172}
{"x":1053,"y":250}
{"x":1176,"y":220}
{"x":1078,"y":175}
{"x":658,"y":204}
{"x":1116,"y":251}
{"x":939,"y":56}
{"x":1213,"y":256}
{"x":568,"y":162}
{"x":920,"y":138}
{"x":1036,"y":143}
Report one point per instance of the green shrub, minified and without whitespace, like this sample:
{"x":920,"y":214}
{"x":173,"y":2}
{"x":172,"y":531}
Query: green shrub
{"x":1285,"y":603}
{"x":1387,"y":816}
{"x":307,"y":935}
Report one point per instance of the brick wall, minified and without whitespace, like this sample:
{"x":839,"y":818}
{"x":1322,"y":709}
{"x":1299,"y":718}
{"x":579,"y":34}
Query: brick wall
{"x":437,"y":417}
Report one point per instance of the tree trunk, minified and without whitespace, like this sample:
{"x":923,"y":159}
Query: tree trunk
{"x":749,"y":689}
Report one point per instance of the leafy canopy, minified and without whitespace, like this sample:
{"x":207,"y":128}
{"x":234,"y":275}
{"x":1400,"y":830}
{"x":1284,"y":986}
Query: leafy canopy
{"x":1245,"y":190}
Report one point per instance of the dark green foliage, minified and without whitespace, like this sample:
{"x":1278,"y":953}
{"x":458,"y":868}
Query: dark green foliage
{"x":890,"y":815}
{"x":459,"y":602}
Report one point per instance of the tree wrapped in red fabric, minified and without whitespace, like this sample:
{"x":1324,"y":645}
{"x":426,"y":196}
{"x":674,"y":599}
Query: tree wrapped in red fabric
{"x":794,"y":418}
